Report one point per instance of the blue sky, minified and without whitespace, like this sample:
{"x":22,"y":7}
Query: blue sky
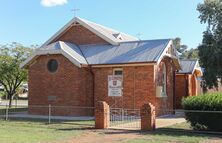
{"x":32,"y":22}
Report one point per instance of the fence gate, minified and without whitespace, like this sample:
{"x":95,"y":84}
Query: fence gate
{"x":125,"y":119}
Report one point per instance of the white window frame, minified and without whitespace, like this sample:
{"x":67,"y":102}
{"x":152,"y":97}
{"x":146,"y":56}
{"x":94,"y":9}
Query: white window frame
{"x":117,"y":69}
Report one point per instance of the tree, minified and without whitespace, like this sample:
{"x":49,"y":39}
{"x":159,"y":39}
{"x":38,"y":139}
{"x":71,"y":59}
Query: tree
{"x":210,"y":51}
{"x":183,"y":51}
{"x":190,"y":54}
{"x":177,"y":44}
{"x":11,"y":76}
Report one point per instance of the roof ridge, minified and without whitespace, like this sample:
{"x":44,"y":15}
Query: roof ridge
{"x":127,"y":42}
{"x":108,"y":28}
{"x":144,"y":40}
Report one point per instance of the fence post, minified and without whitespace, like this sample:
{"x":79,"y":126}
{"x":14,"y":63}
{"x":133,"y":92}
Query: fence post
{"x":148,"y":117}
{"x":49,"y":121}
{"x":122,"y":115}
{"x":102,"y":117}
{"x":6,"y":113}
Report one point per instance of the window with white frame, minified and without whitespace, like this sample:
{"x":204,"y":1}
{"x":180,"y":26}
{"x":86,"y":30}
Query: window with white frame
{"x":117,"y":71}
{"x":164,"y":81}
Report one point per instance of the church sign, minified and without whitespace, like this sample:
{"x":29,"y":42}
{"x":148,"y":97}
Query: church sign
{"x":115,"y":85}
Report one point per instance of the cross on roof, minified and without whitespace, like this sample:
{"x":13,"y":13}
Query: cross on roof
{"x":139,"y":35}
{"x":75,"y":11}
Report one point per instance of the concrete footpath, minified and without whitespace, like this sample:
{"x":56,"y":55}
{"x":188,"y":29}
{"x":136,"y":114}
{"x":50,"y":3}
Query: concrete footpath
{"x":169,"y":120}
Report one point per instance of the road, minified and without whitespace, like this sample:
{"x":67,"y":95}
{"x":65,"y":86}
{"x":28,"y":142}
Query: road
{"x":18,"y":103}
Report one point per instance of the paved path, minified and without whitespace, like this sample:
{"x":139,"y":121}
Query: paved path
{"x":169,"y":121}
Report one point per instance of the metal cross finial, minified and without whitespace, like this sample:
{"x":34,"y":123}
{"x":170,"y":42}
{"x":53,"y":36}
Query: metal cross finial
{"x":75,"y":11}
{"x":139,"y":35}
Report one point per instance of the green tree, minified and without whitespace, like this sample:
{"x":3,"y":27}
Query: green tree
{"x":190,"y":54}
{"x":210,"y":51}
{"x":183,"y":50}
{"x":11,"y":76}
{"x":179,"y":47}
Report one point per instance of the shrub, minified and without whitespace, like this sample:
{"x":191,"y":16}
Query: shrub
{"x":204,"y":120}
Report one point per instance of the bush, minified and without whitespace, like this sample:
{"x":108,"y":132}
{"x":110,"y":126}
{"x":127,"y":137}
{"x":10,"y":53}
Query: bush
{"x":204,"y":120}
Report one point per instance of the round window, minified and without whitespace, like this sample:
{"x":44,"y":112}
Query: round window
{"x":52,"y":65}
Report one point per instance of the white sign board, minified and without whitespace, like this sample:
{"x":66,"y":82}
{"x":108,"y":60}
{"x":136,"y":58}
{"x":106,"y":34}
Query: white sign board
{"x":115,"y":85}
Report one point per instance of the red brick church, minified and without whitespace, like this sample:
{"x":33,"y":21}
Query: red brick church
{"x":85,"y":62}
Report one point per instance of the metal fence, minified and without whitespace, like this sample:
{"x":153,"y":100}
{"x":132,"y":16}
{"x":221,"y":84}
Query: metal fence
{"x":124,"y":118}
{"x":169,"y":120}
{"x":47,"y":113}
{"x":166,"y":119}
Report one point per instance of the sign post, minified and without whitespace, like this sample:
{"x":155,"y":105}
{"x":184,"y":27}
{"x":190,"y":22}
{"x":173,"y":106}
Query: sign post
{"x":115,"y":85}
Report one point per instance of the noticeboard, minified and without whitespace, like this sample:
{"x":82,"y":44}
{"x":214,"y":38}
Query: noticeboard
{"x":115,"y":85}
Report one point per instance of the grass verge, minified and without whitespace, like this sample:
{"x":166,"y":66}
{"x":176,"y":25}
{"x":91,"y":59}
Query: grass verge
{"x":20,"y":131}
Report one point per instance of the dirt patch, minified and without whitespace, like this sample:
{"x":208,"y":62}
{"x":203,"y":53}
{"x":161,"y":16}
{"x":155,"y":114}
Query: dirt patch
{"x":213,"y":140}
{"x":107,"y":136}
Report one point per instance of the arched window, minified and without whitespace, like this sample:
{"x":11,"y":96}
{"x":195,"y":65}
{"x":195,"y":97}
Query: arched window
{"x":164,"y":80}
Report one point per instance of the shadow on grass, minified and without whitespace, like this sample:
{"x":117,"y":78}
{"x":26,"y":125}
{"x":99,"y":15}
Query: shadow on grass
{"x":185,"y":132}
{"x":168,"y":132}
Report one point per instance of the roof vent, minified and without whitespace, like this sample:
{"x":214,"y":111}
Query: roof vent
{"x":75,"y":23}
{"x":118,"y":36}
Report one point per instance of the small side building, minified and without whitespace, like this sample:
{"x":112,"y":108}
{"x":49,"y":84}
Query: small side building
{"x":188,"y":81}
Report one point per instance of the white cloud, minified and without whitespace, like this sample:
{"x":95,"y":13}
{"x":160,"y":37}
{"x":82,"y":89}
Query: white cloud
{"x":50,"y":3}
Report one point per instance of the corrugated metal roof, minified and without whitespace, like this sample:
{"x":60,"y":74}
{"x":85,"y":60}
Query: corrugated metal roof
{"x":69,"y":48}
{"x":125,"y":52}
{"x":105,"y":33}
{"x":110,"y":32}
{"x":187,"y":66}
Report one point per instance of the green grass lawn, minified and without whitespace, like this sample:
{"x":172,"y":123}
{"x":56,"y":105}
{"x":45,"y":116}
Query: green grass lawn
{"x":169,"y":137}
{"x":36,"y":131}
{"x":181,"y":133}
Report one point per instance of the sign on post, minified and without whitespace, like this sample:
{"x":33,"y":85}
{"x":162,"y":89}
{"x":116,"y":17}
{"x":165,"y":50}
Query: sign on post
{"x":115,"y":85}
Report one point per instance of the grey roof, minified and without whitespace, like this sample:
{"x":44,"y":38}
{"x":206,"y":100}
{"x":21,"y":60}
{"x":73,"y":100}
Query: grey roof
{"x":125,"y":52}
{"x":187,"y":66}
{"x":108,"y":34}
{"x":68,"y":48}
{"x":70,"y":51}
{"x":111,"y":33}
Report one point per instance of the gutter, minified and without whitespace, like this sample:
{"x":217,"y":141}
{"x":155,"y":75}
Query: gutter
{"x":93,"y":86}
{"x":93,"y":76}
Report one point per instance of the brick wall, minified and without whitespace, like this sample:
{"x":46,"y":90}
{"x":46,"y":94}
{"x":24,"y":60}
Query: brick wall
{"x":186,"y":85}
{"x":69,"y":86}
{"x":80,"y":35}
{"x":73,"y":86}
{"x":165,"y":102}
{"x":181,"y":89}
{"x":139,"y":87}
